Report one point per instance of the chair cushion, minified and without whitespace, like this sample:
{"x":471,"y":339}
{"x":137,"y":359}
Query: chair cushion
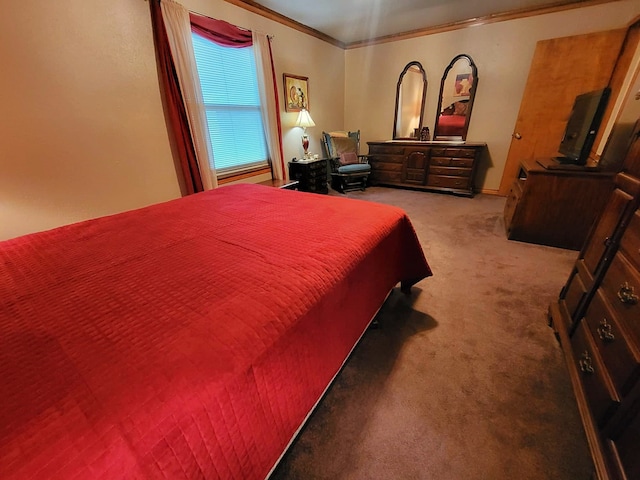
{"x":347,"y":158}
{"x":355,"y":168}
{"x":340,"y":145}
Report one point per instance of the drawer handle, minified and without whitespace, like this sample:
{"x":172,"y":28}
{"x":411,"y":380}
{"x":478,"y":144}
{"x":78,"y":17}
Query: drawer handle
{"x":626,"y":294}
{"x":586,"y":364}
{"x":604,"y":331}
{"x":607,"y":241}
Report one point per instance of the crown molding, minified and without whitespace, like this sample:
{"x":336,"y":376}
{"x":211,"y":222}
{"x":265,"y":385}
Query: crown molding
{"x":447,"y":27}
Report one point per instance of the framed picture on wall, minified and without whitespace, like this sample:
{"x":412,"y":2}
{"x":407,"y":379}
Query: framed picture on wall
{"x":296,"y":92}
{"x":462,"y":87}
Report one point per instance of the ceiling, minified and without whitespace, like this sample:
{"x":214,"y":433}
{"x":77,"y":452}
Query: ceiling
{"x":358,"y":21}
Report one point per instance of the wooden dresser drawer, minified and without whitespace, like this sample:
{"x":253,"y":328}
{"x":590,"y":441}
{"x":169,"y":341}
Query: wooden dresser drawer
{"x":621,"y":285}
{"x":597,"y":386}
{"x":381,"y":176}
{"x":618,"y":358}
{"x":452,"y":162}
{"x":626,"y":443}
{"x":453,"y":171}
{"x":386,"y":166}
{"x":453,"y":152}
{"x":630,"y":241}
{"x":386,"y":149}
{"x":447,"y":182}
{"x":604,"y":228}
{"x":318,"y":172}
{"x":462,"y":162}
{"x":387,"y":158}
{"x":574,"y":293}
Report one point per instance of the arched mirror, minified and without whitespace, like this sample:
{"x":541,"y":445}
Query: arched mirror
{"x":457,"y":91}
{"x":411,"y":93}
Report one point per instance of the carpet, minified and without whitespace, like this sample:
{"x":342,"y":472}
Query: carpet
{"x":463,"y":379}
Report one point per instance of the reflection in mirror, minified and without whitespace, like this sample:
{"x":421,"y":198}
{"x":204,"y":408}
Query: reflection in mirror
{"x":411,"y":93}
{"x":457,"y":92}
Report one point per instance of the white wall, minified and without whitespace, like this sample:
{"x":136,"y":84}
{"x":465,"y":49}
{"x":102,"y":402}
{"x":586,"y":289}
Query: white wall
{"x":502,"y":52}
{"x":82,"y":128}
{"x":82,"y":131}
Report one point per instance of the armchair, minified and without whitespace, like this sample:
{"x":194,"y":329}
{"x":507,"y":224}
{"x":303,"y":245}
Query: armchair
{"x":349,"y":169}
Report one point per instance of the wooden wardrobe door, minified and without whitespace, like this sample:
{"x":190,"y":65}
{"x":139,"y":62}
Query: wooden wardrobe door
{"x":561,"y":69}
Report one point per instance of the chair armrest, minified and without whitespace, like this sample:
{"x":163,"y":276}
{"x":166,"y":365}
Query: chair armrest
{"x":334,"y":163}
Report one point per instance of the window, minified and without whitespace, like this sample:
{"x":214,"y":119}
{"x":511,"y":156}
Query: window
{"x":230,"y":90}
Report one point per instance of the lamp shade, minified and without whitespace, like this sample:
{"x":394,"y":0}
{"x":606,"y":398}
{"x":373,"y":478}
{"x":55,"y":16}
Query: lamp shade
{"x":304,"y":119}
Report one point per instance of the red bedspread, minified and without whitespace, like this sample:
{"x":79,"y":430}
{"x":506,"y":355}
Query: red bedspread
{"x":187,"y":339}
{"x":450,"y":125}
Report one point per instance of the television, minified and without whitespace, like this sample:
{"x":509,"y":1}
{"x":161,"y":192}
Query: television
{"x":582,"y":126}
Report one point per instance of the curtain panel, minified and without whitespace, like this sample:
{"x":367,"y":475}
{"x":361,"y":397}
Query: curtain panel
{"x":199,"y":177}
{"x":175,"y":110}
{"x":178,"y":28}
{"x":268,"y":89}
{"x":220,"y":32}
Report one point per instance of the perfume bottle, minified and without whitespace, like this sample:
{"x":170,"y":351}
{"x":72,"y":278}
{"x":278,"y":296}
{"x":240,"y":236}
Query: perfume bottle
{"x":425,"y":135}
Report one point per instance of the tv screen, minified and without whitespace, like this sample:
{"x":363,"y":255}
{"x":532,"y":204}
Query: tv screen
{"x":584,"y":120}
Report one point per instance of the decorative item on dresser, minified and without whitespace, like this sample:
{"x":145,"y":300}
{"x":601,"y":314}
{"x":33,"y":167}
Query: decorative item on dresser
{"x":310,"y":174}
{"x":435,"y":166}
{"x":597,"y":320}
{"x":555,"y":207}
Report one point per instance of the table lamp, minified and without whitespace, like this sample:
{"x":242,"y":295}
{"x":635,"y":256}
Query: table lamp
{"x":304,"y":120}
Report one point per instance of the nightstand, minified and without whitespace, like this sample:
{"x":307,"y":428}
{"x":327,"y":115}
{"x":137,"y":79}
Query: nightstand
{"x":311,"y":175}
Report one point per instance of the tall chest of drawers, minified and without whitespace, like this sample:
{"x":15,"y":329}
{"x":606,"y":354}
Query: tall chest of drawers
{"x":435,"y":166}
{"x":597,"y":320}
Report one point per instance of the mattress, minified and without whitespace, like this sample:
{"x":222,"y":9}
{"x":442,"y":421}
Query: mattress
{"x":188,"y":339}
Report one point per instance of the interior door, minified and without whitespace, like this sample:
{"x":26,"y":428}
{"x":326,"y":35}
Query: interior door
{"x":561,"y":69}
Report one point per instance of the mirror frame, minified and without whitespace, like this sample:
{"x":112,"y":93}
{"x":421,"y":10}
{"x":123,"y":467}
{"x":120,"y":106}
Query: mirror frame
{"x":422,"y":101}
{"x":472,"y":96}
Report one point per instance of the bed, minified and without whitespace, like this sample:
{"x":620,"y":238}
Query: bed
{"x":452,"y":120}
{"x":188,"y":339}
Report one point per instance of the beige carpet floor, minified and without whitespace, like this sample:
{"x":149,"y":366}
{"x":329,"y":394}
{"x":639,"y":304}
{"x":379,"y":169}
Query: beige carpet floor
{"x":463,"y":379}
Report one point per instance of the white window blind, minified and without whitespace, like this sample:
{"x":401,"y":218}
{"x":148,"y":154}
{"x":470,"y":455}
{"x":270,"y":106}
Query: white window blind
{"x":230,"y":89}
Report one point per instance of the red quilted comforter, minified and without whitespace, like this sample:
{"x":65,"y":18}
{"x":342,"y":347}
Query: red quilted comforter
{"x":188,"y":339}
{"x":450,"y":125}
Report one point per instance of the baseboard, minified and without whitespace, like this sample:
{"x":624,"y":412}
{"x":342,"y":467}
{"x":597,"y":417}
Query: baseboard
{"x":487,"y":191}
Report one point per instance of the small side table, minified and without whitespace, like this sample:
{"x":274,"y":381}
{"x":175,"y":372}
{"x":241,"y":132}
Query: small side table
{"x":312,"y":175}
{"x":284,"y":184}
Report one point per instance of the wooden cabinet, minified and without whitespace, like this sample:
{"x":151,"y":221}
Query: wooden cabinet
{"x":597,"y":320}
{"x":310,"y":174}
{"x":555,"y":207}
{"x":433,"y":166}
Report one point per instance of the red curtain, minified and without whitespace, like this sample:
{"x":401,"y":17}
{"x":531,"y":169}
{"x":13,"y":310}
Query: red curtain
{"x":283,"y":165}
{"x":220,"y":32}
{"x":178,"y":123}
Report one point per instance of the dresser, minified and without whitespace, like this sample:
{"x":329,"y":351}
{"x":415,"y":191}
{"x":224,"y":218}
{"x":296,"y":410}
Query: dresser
{"x":435,"y":166}
{"x":555,"y":207}
{"x":310,"y":174}
{"x":597,"y":321}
